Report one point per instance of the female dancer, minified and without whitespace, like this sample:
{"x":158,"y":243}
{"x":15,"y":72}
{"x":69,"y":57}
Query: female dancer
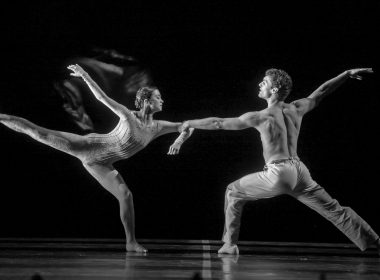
{"x":134,"y":131}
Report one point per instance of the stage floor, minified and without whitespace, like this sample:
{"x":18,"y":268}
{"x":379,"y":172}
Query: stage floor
{"x":182,"y":259}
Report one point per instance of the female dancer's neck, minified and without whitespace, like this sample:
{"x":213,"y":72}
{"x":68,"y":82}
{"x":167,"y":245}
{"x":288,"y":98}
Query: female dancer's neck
{"x":145,"y":116}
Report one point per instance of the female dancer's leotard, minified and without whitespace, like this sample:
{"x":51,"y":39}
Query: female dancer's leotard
{"x":125,"y":140}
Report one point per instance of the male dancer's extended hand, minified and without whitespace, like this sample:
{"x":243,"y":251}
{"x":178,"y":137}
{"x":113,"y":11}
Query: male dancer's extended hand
{"x":354,"y":73}
{"x":185,"y":126}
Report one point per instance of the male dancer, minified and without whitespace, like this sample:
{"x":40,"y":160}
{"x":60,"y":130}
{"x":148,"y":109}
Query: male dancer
{"x":284,"y":173}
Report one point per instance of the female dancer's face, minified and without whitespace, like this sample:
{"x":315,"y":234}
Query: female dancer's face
{"x":156,"y":101}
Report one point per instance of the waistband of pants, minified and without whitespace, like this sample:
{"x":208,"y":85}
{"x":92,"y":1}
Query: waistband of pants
{"x":282,"y":160}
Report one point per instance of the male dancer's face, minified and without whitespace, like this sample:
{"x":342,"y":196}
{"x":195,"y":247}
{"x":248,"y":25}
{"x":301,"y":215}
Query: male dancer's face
{"x":265,"y":88}
{"x":156,"y":101}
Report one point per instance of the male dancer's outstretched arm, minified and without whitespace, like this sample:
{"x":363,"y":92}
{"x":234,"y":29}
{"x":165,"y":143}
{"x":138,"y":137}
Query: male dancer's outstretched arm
{"x":305,"y":105}
{"x":247,"y":120}
{"x":252,"y":119}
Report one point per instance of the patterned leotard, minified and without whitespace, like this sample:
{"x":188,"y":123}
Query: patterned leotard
{"x":126,"y":139}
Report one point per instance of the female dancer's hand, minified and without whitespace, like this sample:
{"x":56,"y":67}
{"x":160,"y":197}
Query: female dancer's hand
{"x":174,"y":148}
{"x":78,"y":70}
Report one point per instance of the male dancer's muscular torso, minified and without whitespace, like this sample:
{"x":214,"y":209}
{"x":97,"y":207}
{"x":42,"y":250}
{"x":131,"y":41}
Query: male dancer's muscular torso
{"x":279,"y":129}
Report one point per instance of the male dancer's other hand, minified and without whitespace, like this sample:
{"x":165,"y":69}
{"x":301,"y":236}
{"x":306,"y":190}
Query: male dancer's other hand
{"x":78,"y":70}
{"x":185,"y":126}
{"x":355,"y":73}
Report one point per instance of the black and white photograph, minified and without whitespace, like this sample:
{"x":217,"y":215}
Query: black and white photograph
{"x":189,"y":140}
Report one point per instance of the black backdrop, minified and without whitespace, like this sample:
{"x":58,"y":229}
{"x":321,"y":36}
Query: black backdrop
{"x":207,"y":59}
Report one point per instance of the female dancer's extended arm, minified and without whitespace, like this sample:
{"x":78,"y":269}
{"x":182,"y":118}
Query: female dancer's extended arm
{"x":116,"y":107}
{"x":176,"y":146}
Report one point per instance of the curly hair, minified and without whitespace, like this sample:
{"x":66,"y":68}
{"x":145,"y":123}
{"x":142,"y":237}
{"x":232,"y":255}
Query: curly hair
{"x":280,"y":80}
{"x":143,"y":94}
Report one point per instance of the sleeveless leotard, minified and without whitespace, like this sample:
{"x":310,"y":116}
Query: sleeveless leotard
{"x":126,"y":139}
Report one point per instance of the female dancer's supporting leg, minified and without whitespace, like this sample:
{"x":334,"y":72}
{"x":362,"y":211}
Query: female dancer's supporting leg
{"x":75,"y":145}
{"x":112,"y":181}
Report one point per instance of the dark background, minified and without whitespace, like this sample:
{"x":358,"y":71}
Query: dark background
{"x":207,"y":59}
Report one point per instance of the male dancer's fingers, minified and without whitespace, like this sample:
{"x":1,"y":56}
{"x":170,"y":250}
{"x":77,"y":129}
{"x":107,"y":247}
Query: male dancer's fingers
{"x":365,"y":70}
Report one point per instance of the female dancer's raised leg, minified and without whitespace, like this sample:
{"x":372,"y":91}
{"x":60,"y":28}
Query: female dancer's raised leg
{"x":112,"y":181}
{"x":66,"y":142}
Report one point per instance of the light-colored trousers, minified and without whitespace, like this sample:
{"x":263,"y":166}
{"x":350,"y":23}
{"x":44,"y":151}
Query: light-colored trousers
{"x":291,"y":176}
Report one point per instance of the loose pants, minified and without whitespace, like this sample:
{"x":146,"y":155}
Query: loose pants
{"x":290,"y":176}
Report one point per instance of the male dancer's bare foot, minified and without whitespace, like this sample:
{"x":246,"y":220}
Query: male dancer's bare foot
{"x":229,"y":249}
{"x":135,"y":247}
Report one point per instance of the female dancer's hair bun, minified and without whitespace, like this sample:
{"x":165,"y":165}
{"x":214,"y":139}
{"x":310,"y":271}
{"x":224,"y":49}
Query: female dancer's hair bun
{"x":142,"y":94}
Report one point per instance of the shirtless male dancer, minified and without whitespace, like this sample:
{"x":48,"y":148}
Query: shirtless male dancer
{"x":284,"y":173}
{"x":134,"y":131}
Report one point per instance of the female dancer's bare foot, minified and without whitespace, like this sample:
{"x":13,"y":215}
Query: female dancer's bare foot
{"x":135,"y":247}
{"x":4,"y":117}
{"x":229,"y":249}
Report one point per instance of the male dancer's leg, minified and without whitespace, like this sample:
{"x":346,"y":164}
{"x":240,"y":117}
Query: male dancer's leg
{"x":233,"y":208}
{"x":254,"y":186}
{"x":344,"y":218}
{"x":112,"y":181}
